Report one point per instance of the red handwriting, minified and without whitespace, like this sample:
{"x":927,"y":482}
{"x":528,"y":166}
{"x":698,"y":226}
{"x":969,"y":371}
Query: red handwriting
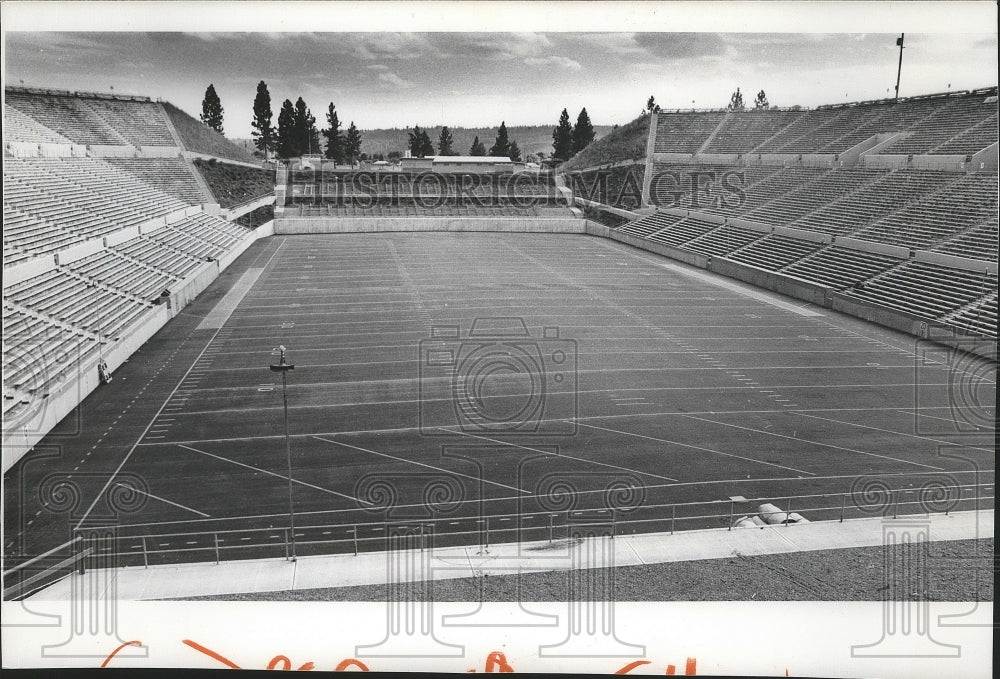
{"x":496,"y":662}
{"x":115,"y":652}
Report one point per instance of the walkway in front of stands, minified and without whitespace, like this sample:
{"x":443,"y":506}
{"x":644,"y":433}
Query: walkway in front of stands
{"x":371,"y":568}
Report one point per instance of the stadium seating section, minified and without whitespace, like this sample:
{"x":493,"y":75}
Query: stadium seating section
{"x":949,"y":124}
{"x":173,"y":176}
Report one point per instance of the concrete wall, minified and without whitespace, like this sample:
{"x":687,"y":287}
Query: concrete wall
{"x":77,"y":385}
{"x":250,"y":206}
{"x":297,"y":225}
{"x":82,"y":379}
{"x":108,"y":151}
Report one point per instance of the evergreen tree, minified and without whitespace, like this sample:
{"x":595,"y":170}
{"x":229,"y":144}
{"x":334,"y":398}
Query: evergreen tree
{"x":562,"y":138}
{"x":501,"y":147}
{"x":286,"y":146}
{"x":352,"y":145}
{"x":583,"y":132}
{"x":761,"y":102}
{"x":514,"y":153}
{"x":736,"y":101}
{"x":211,"y":109}
{"x":415,"y":141}
{"x":306,"y":134}
{"x":335,"y":149}
{"x":444,"y":143}
{"x":426,"y":145}
{"x":263,"y":131}
{"x":477,"y":148}
{"x":651,"y":106}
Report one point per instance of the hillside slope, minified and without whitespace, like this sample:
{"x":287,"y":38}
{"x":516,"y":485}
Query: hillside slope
{"x":200,"y":138}
{"x":628,"y":142}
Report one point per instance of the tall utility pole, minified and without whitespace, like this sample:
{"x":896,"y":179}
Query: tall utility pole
{"x":899,"y":70}
{"x":283,"y":368}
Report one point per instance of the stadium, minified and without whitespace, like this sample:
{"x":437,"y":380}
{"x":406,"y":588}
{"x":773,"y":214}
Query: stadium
{"x":708,"y":321}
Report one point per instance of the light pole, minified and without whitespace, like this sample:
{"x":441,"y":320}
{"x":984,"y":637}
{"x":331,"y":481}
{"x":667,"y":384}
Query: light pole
{"x":283,"y":368}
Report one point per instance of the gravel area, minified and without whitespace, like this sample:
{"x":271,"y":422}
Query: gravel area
{"x":960,"y":570}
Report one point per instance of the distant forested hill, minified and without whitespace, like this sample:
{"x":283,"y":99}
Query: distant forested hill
{"x":530,"y":139}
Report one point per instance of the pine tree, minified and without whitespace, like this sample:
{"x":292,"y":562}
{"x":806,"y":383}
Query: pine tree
{"x":477,"y":148}
{"x":562,"y":138}
{"x":335,"y":150}
{"x":286,"y":146}
{"x":736,"y":101}
{"x":651,"y":106}
{"x":761,"y":102}
{"x":444,"y":143}
{"x":211,"y":109}
{"x":583,"y":132}
{"x":514,"y":153}
{"x":501,"y":147}
{"x":306,"y":134}
{"x":352,"y":145}
{"x":263,"y":131}
{"x":415,"y":142}
{"x":426,"y":145}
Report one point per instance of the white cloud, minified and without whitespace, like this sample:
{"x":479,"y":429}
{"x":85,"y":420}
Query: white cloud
{"x":392,"y":80}
{"x":563,"y":62}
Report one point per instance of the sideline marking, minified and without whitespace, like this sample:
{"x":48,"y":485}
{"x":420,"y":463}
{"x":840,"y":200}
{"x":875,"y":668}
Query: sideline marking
{"x":421,"y":464}
{"x":546,"y":452}
{"x":161,"y":499}
{"x":265,"y":471}
{"x":689,"y":445}
{"x":163,"y":408}
{"x":716,"y":280}
{"x":223,"y":309}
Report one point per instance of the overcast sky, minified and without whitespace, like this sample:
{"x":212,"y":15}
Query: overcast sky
{"x":471,"y":79}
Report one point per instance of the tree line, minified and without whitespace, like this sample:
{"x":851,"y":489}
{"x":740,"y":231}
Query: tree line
{"x":296,"y":133}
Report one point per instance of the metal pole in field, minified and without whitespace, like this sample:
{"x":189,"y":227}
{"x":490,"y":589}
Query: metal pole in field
{"x":283,"y":368}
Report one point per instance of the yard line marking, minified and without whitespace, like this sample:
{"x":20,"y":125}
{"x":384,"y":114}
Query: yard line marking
{"x":549,"y":452}
{"x":265,"y":471}
{"x":689,"y":445}
{"x":163,"y":408}
{"x":890,"y":431}
{"x":162,"y":499}
{"x":420,"y":464}
{"x":817,"y":443}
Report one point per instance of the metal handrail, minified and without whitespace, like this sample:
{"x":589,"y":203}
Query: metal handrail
{"x":895,"y":500}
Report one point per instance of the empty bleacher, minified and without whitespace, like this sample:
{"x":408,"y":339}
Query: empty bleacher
{"x":65,"y":115}
{"x":813,"y":195}
{"x":683,"y":231}
{"x":684,"y":132}
{"x":723,"y":240}
{"x":19,"y":126}
{"x":960,"y":205}
{"x":172,"y":176}
{"x":38,"y":353}
{"x":874,"y":201}
{"x":651,"y":224}
{"x":744,"y":131}
{"x":840,"y":267}
{"x":774,"y":251}
{"x":978,"y":318}
{"x":116,"y":271}
{"x":971,"y":140}
{"x":141,"y":123}
{"x":155,"y":254}
{"x":948,"y":122}
{"x":63,"y":297}
{"x":925,"y":290}
{"x":979,"y":242}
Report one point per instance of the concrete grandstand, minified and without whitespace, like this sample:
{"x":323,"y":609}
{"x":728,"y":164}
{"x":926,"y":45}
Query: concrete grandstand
{"x":765,"y":336}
